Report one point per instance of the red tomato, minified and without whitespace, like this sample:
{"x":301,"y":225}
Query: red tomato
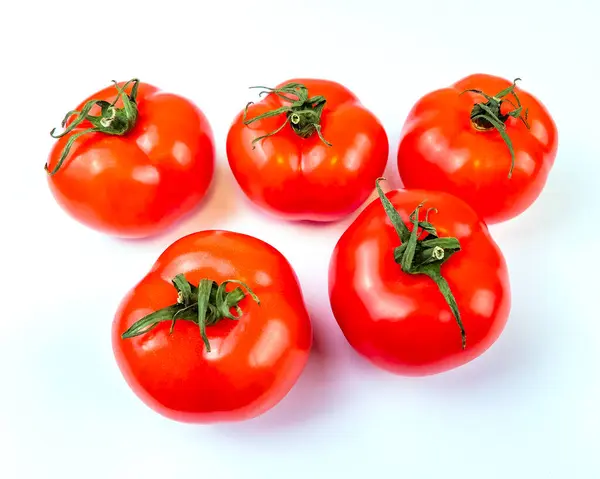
{"x":231,"y":364}
{"x":314,"y":156}
{"x":406,"y":314}
{"x":148,"y":161}
{"x":449,"y":143}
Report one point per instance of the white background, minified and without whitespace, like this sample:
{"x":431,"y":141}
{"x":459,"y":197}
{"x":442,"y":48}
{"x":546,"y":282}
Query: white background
{"x":528,"y":408}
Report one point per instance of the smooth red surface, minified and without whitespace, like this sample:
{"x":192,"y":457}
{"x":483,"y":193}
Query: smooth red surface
{"x":441,"y":150}
{"x":141,"y":183}
{"x":401,"y":322}
{"x":253,"y":362}
{"x":303,"y":179}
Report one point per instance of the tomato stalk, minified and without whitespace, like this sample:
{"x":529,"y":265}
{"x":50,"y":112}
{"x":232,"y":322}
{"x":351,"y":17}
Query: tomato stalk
{"x":303,"y":113}
{"x":204,"y":305}
{"x":491,"y":115}
{"x":111,"y":121}
{"x":423,"y":255}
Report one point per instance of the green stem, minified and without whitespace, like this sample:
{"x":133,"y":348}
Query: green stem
{"x":303,"y":113}
{"x":422,"y":252}
{"x":204,"y":290}
{"x":444,"y":288}
{"x":488,"y":115}
{"x":111,"y":121}
{"x":430,"y":255}
{"x":204,"y":305}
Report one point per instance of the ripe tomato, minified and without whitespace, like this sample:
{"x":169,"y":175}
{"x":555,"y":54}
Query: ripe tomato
{"x":225,"y":357}
{"x":463,"y":143}
{"x":138,"y":166}
{"x":308,"y":151}
{"x":402,"y":295}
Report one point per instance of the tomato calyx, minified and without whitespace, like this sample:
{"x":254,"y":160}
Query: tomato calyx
{"x":303,"y":114}
{"x":422,"y":251}
{"x":111,"y":121}
{"x":204,"y":305}
{"x":491,"y":115}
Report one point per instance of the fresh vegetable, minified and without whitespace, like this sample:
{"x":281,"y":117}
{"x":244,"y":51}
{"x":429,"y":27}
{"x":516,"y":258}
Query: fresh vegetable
{"x":131,"y":160}
{"x":307,"y":151}
{"x":417,"y":284}
{"x":484,"y":140}
{"x":216,"y":331}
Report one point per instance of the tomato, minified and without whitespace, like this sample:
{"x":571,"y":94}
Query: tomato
{"x":135,"y":167}
{"x":308,"y":151}
{"x":466,"y":144}
{"x":419,"y":300}
{"x":241,"y":335}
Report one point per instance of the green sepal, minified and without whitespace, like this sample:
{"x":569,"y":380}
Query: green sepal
{"x":204,"y":305}
{"x":488,"y":115}
{"x":426,"y":255}
{"x":303,"y":113}
{"x":111,"y":121}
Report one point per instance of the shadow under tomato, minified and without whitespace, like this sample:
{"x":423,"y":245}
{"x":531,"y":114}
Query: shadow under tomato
{"x":307,"y":400}
{"x":505,"y":362}
{"x":517,"y":356}
{"x":393,"y":180}
{"x":566,"y":195}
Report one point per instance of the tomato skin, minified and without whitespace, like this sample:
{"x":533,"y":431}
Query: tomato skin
{"x":441,"y":150}
{"x":303,"y":179}
{"x":141,"y":183}
{"x":253,"y":362}
{"x":401,"y":322}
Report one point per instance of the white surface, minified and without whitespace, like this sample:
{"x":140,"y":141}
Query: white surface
{"x":528,"y":408}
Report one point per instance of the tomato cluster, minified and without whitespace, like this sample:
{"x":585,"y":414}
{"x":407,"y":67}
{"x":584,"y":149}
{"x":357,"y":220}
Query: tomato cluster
{"x":218,"y":329}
